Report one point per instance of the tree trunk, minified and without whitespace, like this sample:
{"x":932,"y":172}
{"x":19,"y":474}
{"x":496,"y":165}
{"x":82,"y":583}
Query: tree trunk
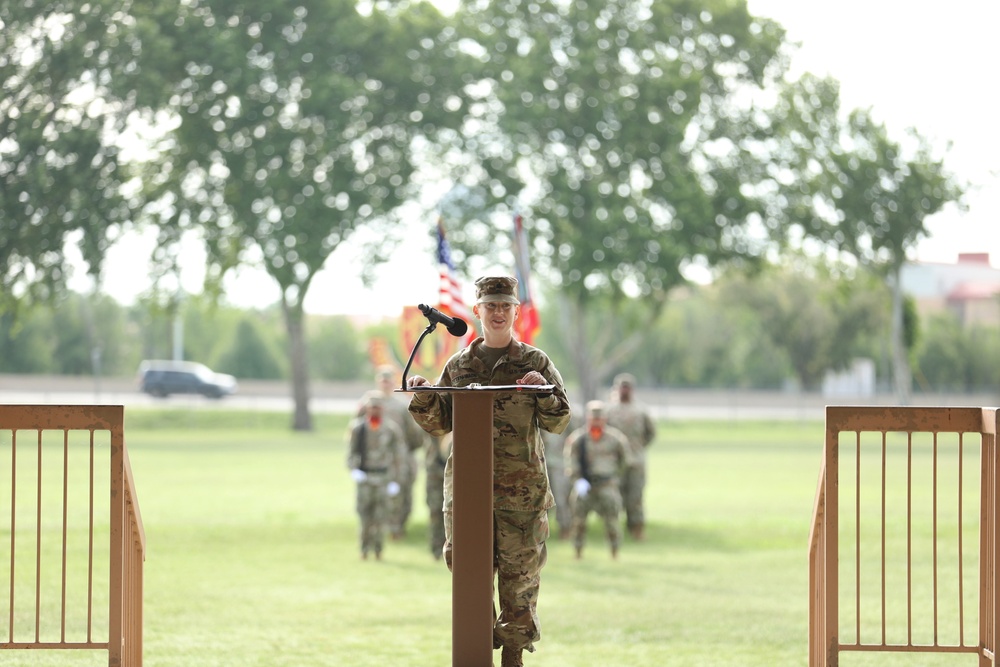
{"x":294,"y":324}
{"x":901,"y":375}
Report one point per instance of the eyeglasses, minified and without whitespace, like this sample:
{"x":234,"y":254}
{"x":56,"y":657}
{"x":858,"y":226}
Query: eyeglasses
{"x":493,"y":306}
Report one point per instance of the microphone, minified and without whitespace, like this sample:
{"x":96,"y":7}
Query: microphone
{"x":456,"y":326}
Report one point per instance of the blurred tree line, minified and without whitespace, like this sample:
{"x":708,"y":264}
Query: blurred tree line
{"x":787,"y":327}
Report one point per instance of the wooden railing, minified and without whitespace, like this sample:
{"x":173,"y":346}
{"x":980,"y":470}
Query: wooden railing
{"x":75,"y":537}
{"x":906,"y":513}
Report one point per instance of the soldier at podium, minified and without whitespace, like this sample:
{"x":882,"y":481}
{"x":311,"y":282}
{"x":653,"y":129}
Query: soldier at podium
{"x":521,"y":493}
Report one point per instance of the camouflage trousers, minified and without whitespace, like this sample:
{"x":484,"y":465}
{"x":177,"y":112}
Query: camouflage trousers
{"x":633,"y":484}
{"x":435,"y":504}
{"x":373,"y":510}
{"x":519,"y":553}
{"x":560,"y":489}
{"x":401,"y":504}
{"x":605,"y":500}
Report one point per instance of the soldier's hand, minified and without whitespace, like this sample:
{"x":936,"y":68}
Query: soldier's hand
{"x":582,"y":487}
{"x":416,"y":381}
{"x":392,"y":489}
{"x":359,"y":475}
{"x":532,"y":377}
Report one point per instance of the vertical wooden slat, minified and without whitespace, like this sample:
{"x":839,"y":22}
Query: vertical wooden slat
{"x":857,"y":537}
{"x":831,"y":631}
{"x":13,"y":524}
{"x":934,"y":533}
{"x":961,"y":557}
{"x":38,"y":544}
{"x":90,"y":548}
{"x":116,"y":636}
{"x":909,"y":539}
{"x":883,"y":533}
{"x":65,"y":514}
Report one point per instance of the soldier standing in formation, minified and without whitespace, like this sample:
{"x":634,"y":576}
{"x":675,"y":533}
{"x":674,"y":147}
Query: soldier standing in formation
{"x":376,"y":456}
{"x":595,"y":457}
{"x":521,"y":493}
{"x":394,"y":410}
{"x":556,"y":469}
{"x":634,"y":421}
{"x":438,"y":451}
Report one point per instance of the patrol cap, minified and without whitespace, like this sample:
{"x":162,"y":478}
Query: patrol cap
{"x":497,"y":288}
{"x":624,"y":378}
{"x":595,"y":409}
{"x":373,"y":398}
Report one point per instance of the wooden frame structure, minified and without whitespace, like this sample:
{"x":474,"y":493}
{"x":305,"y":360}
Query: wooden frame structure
{"x":889,"y":439}
{"x":45,"y":498}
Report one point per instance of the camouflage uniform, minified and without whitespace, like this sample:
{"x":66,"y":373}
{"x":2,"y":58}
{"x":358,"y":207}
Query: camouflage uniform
{"x":393,"y":409}
{"x":556,"y":470}
{"x":521,"y":494}
{"x":600,"y":461}
{"x":438,"y":450}
{"x":380,"y":454}
{"x":634,"y":421}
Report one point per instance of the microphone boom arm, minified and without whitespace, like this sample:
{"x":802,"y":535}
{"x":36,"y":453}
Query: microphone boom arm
{"x":413,"y":353}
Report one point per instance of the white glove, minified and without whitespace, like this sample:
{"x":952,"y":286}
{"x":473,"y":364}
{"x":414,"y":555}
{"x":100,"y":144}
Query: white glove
{"x":359,"y":475}
{"x":392,"y":488}
{"x":582,"y":487}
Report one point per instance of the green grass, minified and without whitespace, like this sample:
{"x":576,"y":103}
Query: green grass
{"x":252,"y":556}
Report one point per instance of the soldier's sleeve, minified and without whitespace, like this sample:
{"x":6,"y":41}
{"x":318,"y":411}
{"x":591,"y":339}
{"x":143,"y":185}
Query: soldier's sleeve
{"x":570,"y":457}
{"x":413,"y":435}
{"x":431,"y":410}
{"x":650,"y":429}
{"x":353,"y":459}
{"x":625,"y":458}
{"x":553,"y":411}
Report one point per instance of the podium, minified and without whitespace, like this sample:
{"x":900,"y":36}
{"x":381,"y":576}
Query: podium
{"x":472,"y":527}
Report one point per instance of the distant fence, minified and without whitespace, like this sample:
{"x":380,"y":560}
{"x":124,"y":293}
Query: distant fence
{"x":70,"y":524}
{"x":904,"y":541}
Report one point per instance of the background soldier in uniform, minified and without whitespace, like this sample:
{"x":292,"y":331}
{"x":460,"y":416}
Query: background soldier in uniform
{"x":634,"y":421}
{"x":595,"y":457}
{"x":376,"y":456}
{"x":521,"y":494}
{"x":438,"y":451}
{"x":555,"y":443}
{"x":394,"y":409}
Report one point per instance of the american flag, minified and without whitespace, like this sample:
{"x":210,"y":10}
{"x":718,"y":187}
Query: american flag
{"x":528,"y":323}
{"x":450,"y":300}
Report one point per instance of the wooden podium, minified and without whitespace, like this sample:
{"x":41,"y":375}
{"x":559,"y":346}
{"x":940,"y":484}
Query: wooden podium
{"x":472,"y":528}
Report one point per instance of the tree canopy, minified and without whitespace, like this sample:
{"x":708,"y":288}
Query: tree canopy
{"x":68,"y":72}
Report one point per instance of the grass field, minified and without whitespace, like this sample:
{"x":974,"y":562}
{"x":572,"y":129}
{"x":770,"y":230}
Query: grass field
{"x":252,"y":556}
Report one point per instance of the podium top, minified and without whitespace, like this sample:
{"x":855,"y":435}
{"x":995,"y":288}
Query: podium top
{"x":522,"y":388}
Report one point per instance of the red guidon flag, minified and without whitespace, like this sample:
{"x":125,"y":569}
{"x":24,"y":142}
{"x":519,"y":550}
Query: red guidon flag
{"x":528,"y":324}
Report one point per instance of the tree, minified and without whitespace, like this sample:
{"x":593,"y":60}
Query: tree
{"x":820,"y":317}
{"x":295,"y":125}
{"x":249,"y":355}
{"x":884,"y":199}
{"x":67,"y":72}
{"x":604,"y":120}
{"x":844,"y":182}
{"x":338,"y":351}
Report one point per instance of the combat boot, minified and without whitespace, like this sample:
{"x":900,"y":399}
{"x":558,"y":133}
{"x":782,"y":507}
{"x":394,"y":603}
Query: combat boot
{"x":511,"y":657}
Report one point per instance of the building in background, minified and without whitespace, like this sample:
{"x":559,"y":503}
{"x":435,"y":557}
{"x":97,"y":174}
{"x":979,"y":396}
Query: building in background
{"x":969,"y":288}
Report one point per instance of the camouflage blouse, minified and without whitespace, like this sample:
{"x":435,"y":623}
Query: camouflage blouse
{"x":520,"y":482}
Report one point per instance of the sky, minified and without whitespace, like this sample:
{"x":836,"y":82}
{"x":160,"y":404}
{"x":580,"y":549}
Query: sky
{"x":931,"y":66}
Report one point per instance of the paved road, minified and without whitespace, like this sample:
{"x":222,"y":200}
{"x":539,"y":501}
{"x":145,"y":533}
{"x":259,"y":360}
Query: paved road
{"x":343,"y":398}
